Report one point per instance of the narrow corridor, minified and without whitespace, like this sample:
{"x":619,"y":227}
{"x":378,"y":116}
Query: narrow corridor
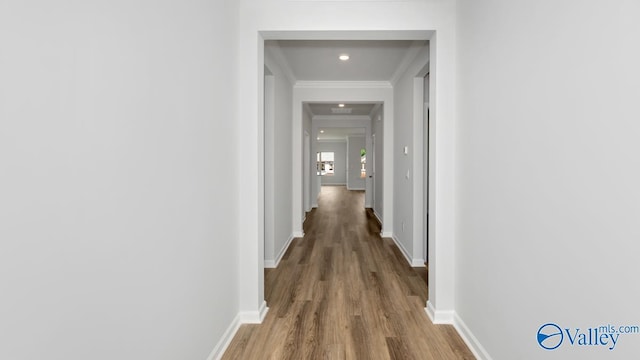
{"x":343,"y":292}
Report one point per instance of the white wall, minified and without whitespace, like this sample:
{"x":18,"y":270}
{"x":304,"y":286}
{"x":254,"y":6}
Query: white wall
{"x":118,"y":190}
{"x":407,"y":130}
{"x":339,"y":148}
{"x":547,"y":173}
{"x":269,"y":167}
{"x":279,"y":201}
{"x":354,"y":144}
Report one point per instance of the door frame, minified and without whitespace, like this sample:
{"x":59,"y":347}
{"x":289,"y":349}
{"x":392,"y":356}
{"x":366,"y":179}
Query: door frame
{"x":441,"y":185}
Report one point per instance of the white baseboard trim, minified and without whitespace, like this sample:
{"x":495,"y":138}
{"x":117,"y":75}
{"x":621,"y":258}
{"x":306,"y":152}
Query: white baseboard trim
{"x":254,"y":317}
{"x":297,"y":233}
{"x":439,"y":316}
{"x":387,"y":234}
{"x":272,"y":264}
{"x":243,"y":317}
{"x":450,"y":317}
{"x":467,"y":336}
{"x":375,"y":213}
{"x":223,"y":344}
{"x":262,"y":312}
{"x":412,"y":262}
{"x":417,"y":263}
{"x":356,"y":188}
{"x":402,"y":249}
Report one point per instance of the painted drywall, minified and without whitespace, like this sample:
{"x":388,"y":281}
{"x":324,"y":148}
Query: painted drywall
{"x":119,"y":210}
{"x":339,"y":148}
{"x":547,"y":173}
{"x":279,"y":201}
{"x":407,"y":160}
{"x":354,"y":181}
{"x":377,"y":119}
{"x":269,"y":168}
{"x":363,"y":19}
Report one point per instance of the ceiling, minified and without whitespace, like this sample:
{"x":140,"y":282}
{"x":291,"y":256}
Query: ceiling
{"x":328,"y":109}
{"x":328,"y":134}
{"x":369,"y":60}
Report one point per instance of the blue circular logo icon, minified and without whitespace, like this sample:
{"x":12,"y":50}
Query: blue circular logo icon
{"x":550,"y":336}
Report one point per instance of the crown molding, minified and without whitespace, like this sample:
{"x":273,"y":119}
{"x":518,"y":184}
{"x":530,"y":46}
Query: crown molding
{"x":347,"y":35}
{"x":409,"y":57}
{"x":374,"y":110}
{"x":340,"y":117}
{"x":343,"y":85}
{"x":275,"y":52}
{"x":340,"y":140}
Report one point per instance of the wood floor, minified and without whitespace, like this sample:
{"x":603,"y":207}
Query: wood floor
{"x":342,"y":292}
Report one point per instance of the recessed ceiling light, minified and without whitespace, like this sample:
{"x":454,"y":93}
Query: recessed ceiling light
{"x":321,"y":131}
{"x":340,"y":105}
{"x":318,"y":138}
{"x":343,"y":57}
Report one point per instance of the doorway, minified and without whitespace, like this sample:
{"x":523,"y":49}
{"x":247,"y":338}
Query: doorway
{"x":328,"y":92}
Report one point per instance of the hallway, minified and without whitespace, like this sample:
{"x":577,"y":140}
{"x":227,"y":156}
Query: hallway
{"x":342,"y":292}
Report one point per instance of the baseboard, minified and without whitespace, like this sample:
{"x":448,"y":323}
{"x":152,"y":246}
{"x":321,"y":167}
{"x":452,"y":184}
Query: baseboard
{"x":375,"y":213}
{"x":386,"y":234}
{"x":297,"y":234}
{"x":243,"y":317}
{"x":412,"y":262}
{"x":262,"y":312}
{"x":439,"y":316}
{"x":417,"y":263}
{"x":402,"y":249}
{"x":272,"y":264}
{"x":223,"y":344}
{"x":467,"y":336}
{"x":450,"y":317}
{"x":358,"y":189}
{"x":254,"y":317}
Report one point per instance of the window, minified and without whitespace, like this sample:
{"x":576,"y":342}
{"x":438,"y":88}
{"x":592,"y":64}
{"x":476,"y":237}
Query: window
{"x":363,"y":163}
{"x":325,"y":164}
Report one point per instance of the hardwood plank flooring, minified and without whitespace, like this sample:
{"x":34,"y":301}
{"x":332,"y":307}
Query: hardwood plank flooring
{"x":343,"y":292}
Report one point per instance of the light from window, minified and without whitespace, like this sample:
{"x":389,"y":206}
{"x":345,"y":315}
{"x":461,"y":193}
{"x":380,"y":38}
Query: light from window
{"x":363,"y":163}
{"x":325,"y":164}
